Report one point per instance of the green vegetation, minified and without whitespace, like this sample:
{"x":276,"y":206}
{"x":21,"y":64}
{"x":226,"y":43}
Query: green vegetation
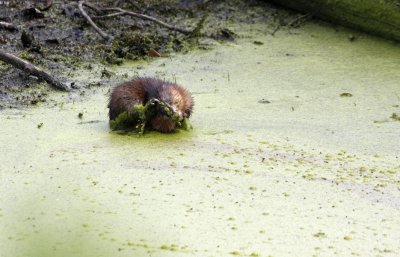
{"x":136,"y":119}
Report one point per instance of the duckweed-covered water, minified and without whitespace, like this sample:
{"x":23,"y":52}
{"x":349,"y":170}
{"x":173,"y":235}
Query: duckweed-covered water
{"x":293,"y":153}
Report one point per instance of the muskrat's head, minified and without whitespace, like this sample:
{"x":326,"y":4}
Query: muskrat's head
{"x":172,"y":105}
{"x":175,"y":102}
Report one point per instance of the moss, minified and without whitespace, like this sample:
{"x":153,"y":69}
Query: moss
{"x":134,"y":45}
{"x":171,"y":247}
{"x":236,"y":253}
{"x":136,"y":119}
{"x":395,"y":117}
{"x":25,"y":55}
{"x":185,"y":124}
{"x":197,"y":31}
{"x":320,"y":235}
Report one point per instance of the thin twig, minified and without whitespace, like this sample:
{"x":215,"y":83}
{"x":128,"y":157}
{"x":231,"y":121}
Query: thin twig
{"x":7,"y":25}
{"x":120,"y":11}
{"x":31,"y":69}
{"x":87,"y":17}
{"x":109,"y":15}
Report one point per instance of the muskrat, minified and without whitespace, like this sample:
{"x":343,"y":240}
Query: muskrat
{"x":166,"y":99}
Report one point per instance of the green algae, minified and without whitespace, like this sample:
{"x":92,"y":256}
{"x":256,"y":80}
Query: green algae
{"x":180,"y":189}
{"x":319,"y":235}
{"x":395,"y":117}
{"x":235,"y":253}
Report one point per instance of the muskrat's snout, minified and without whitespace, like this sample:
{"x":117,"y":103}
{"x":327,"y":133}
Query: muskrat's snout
{"x":166,"y":109}
{"x":177,"y":113}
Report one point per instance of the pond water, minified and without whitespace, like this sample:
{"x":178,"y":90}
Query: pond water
{"x":293,"y":153}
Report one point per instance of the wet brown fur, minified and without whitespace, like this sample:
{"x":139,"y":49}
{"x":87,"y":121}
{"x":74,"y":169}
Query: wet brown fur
{"x":141,"y":90}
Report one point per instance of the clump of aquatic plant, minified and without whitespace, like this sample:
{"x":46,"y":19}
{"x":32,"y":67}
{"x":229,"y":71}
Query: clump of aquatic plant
{"x":136,"y":119}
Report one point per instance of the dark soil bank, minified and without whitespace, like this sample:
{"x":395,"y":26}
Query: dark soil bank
{"x":56,"y":37}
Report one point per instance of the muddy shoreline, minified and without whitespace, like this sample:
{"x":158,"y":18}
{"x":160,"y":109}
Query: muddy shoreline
{"x":60,"y":41}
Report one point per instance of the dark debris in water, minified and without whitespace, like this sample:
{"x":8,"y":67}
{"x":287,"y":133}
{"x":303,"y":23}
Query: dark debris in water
{"x":264,"y":101}
{"x":346,"y":95}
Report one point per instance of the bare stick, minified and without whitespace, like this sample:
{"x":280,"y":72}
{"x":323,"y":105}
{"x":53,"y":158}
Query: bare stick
{"x":8,"y":26}
{"x":121,"y":11}
{"x":31,"y":69}
{"x":98,"y":30}
{"x":109,"y":15}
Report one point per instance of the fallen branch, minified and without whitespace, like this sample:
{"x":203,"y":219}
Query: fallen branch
{"x":31,"y":69}
{"x":119,"y":11}
{"x":7,"y":25}
{"x":87,"y":17}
